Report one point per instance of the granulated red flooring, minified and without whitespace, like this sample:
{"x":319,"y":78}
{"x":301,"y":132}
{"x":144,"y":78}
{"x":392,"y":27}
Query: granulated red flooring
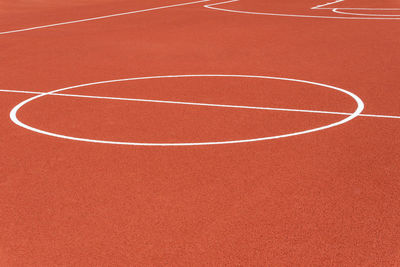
{"x":324,"y":198}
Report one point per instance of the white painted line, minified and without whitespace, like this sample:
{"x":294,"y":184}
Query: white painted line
{"x":361,"y":8}
{"x":221,"y":3}
{"x":199,"y":104}
{"x":380,"y":116}
{"x":214,"y":7}
{"x":357,"y":112}
{"x":327,"y":4}
{"x":101,"y":17}
{"x":341,"y":11}
{"x":346,"y":8}
{"x":21,"y":92}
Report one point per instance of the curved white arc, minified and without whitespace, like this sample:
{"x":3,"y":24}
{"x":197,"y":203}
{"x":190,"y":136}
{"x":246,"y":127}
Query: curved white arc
{"x":100,"y":17}
{"x":340,"y":11}
{"x":213,"y":6}
{"x":357,"y":112}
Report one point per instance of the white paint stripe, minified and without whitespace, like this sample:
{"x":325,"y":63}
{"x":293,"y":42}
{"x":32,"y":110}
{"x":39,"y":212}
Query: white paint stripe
{"x":355,"y":8}
{"x":362,"y":8}
{"x":380,"y":116}
{"x":340,"y":11}
{"x":327,"y":4}
{"x":221,"y":3}
{"x":199,"y":104}
{"x":101,"y":17}
{"x":21,"y":92}
{"x":213,"y":6}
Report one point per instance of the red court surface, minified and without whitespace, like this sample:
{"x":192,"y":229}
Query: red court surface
{"x":173,"y":133}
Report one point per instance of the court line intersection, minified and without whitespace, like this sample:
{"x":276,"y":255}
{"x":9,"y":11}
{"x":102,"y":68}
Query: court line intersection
{"x":198,"y":104}
{"x":214,"y":7}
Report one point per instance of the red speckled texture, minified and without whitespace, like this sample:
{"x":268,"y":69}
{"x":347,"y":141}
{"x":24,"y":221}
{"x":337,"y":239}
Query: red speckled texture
{"x":329,"y":198}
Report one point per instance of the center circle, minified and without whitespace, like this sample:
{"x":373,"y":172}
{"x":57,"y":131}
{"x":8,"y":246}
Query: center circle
{"x":359,"y":109}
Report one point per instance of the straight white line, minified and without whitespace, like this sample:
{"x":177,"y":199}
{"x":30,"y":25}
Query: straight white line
{"x":327,"y":4}
{"x":380,"y":116}
{"x":348,"y":8}
{"x":101,"y":17}
{"x":364,"y":8}
{"x":221,"y":3}
{"x":21,"y":92}
{"x":198,"y":104}
{"x":339,"y":11}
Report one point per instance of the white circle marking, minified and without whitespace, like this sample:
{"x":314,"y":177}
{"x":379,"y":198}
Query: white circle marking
{"x":359,"y":109}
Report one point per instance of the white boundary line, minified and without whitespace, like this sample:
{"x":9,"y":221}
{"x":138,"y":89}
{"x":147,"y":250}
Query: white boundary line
{"x":198,"y":104}
{"x":323,"y":6}
{"x":336,"y":10}
{"x":327,"y":4}
{"x":357,"y":112}
{"x":213,"y":6}
{"x":339,"y":10}
{"x":100,"y":17}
